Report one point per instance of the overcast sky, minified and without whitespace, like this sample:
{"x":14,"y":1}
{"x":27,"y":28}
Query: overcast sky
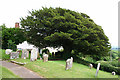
{"x":103,"y":12}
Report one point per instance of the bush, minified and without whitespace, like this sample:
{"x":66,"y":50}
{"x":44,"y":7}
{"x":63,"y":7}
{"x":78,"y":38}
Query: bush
{"x":105,"y":66}
{"x":5,"y":56}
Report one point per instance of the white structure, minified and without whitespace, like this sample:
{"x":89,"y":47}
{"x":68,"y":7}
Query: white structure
{"x":25,"y":45}
{"x":51,"y":49}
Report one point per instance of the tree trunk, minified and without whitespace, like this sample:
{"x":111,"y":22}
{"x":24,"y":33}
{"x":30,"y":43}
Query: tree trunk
{"x":67,"y":52}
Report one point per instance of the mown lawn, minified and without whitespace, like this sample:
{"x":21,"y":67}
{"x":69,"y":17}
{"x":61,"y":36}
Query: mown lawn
{"x":56,"y":69}
{"x":5,"y":73}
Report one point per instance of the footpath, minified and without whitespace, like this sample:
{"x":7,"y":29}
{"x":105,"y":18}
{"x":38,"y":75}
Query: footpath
{"x":20,"y":70}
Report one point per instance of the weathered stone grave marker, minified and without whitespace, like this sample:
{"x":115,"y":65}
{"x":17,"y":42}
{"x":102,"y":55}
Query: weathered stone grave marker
{"x":69,"y":63}
{"x":113,"y":73}
{"x":25,"y":53}
{"x":34,"y":53}
{"x":97,"y":69}
{"x":14,"y":55}
{"x":45,"y":57}
{"x":91,"y":66}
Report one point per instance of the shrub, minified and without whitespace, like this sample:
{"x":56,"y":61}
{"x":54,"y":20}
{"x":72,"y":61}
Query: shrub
{"x":105,"y":66}
{"x":5,"y":56}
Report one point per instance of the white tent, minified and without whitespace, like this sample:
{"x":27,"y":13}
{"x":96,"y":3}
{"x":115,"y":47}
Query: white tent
{"x":25,"y":45}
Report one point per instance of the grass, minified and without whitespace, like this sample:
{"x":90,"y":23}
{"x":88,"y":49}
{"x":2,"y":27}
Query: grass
{"x":5,"y":73}
{"x":56,"y":69}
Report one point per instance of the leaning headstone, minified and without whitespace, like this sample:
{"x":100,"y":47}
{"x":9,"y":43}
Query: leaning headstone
{"x":8,"y":51}
{"x":45,"y":57}
{"x":34,"y":54}
{"x":69,"y":63}
{"x":14,"y":55}
{"x":113,"y":73}
{"x":97,"y":69}
{"x":91,"y":66}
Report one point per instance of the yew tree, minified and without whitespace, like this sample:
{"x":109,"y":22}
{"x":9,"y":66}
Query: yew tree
{"x":55,"y":27}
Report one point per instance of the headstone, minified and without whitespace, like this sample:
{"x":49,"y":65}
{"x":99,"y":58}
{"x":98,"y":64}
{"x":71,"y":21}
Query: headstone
{"x":14,"y":55}
{"x":97,"y":69}
{"x":69,"y":63}
{"x":25,"y":54}
{"x":8,"y":51}
{"x":91,"y":66}
{"x":34,"y":54}
{"x":113,"y":73}
{"x":40,"y":58}
{"x":45,"y":57}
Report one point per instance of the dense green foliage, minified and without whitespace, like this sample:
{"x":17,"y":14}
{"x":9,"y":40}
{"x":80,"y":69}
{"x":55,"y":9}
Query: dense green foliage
{"x":4,"y":56}
{"x":55,"y":27}
{"x":12,"y":45}
{"x":16,"y":35}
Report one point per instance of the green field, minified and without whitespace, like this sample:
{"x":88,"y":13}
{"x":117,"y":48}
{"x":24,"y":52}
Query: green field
{"x":56,"y":69}
{"x":5,"y":73}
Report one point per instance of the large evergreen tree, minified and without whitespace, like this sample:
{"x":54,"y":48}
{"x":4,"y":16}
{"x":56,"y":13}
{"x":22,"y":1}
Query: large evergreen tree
{"x":62,"y":27}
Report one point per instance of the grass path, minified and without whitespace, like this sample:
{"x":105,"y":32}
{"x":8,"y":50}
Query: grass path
{"x":56,"y":69}
{"x":5,"y":73}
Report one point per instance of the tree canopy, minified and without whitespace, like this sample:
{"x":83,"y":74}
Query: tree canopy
{"x":55,"y":27}
{"x":12,"y":35}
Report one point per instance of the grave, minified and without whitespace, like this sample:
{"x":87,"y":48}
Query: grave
{"x":113,"y":73}
{"x":14,"y":55}
{"x":69,"y":63}
{"x":91,"y":66}
{"x":34,"y":53}
{"x":97,"y":69}
{"x":45,"y":57}
{"x":25,"y":54}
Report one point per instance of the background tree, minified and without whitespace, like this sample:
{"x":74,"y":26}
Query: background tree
{"x":12,"y":45}
{"x":55,"y":27}
{"x":16,"y":35}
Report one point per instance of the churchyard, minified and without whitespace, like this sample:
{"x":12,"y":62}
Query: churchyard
{"x":86,"y":50}
{"x":57,"y":68}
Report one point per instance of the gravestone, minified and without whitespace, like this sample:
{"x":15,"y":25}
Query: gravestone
{"x":34,"y":54}
{"x":40,"y":58}
{"x":27,"y":53}
{"x":91,"y":66}
{"x":8,"y":51}
{"x":97,"y":69}
{"x":113,"y":73}
{"x":24,"y":54}
{"x":14,"y":55}
{"x":45,"y":57}
{"x":69,"y":63}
